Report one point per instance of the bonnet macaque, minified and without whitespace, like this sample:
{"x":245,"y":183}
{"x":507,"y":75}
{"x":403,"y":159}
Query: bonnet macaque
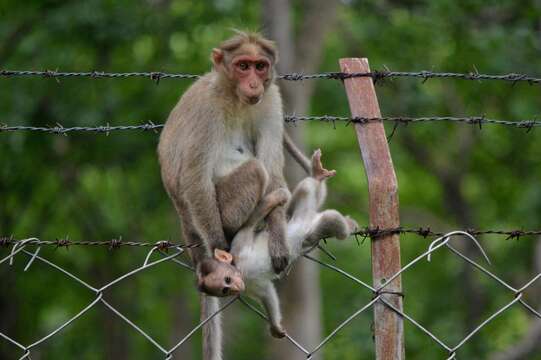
{"x":249,"y":257}
{"x":221,"y":152}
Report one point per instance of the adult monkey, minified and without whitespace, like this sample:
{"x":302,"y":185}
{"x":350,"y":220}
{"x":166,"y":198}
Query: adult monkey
{"x":220,"y":152}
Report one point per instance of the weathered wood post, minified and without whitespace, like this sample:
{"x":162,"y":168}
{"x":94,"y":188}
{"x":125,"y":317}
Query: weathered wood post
{"x":383,"y":204}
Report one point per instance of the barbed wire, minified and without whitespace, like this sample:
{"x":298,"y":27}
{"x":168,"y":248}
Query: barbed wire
{"x":152,"y":75}
{"x":424,"y":74}
{"x":381,"y":297}
{"x":60,"y":129}
{"x":375,"y":75}
{"x":366,"y":232}
{"x":405,"y":120}
{"x":115,"y":243}
{"x":428,"y":232}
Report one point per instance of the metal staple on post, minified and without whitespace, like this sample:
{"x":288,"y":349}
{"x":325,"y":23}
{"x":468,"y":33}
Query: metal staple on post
{"x":383,"y":203}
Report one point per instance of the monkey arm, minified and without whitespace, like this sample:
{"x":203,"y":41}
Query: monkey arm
{"x":194,"y":184}
{"x":203,"y":208}
{"x":269,"y":147}
{"x":270,"y":301}
{"x":278,"y":197}
{"x":299,"y":198}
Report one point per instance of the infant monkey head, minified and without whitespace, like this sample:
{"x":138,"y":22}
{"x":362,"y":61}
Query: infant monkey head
{"x":218,"y":276}
{"x":247,"y":61}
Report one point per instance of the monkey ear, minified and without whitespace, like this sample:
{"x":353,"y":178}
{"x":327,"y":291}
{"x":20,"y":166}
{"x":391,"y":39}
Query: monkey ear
{"x":217,"y":56}
{"x":223,"y":256}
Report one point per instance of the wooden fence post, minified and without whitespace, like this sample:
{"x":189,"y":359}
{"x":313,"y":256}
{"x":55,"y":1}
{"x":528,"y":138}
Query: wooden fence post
{"x":383,"y":204}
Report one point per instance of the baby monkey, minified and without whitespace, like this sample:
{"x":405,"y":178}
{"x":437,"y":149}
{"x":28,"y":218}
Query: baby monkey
{"x":249,"y":261}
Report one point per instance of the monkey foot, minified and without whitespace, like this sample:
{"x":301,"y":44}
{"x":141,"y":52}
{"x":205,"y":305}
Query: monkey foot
{"x":352,"y":225}
{"x":318,"y":171}
{"x":277,"y":331}
{"x":280,"y":197}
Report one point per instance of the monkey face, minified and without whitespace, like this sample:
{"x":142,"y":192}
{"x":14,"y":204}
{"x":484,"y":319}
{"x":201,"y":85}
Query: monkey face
{"x":248,"y":66}
{"x":225,"y":280}
{"x":218,"y":277}
{"x":251,"y":73}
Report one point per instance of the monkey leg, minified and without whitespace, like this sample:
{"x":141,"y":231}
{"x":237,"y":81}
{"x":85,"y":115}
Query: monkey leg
{"x":278,"y":249}
{"x":278,"y":197}
{"x":330,"y":223}
{"x":305,"y":198}
{"x":238,"y":194}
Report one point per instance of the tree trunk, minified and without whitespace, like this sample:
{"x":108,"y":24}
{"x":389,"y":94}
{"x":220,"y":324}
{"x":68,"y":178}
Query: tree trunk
{"x":300,"y":292}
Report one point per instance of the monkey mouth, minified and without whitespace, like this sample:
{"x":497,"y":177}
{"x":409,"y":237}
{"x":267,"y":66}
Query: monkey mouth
{"x":252,"y":100}
{"x":238,"y":288}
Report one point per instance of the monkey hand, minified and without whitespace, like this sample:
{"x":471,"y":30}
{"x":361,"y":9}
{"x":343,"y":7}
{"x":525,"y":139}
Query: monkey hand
{"x":318,"y":171}
{"x":277,"y":331}
{"x":279,"y":263}
{"x":279,"y":256}
{"x":278,"y":249}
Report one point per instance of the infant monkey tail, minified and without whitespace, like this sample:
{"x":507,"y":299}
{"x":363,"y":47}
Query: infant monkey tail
{"x":297,"y":154}
{"x":212,"y":330}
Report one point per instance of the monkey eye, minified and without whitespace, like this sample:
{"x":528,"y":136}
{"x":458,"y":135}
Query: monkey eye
{"x":243,"y":65}
{"x":227,"y":280}
{"x":225,"y":290}
{"x":260,"y":66}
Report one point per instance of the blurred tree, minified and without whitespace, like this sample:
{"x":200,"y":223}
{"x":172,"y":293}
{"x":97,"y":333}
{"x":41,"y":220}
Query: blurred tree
{"x":530,"y":344}
{"x":299,"y":49}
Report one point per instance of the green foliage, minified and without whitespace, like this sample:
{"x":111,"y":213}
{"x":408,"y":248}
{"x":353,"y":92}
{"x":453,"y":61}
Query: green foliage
{"x":99,"y":187}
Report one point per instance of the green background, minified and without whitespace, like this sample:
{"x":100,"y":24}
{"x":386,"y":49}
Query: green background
{"x":97,"y":187}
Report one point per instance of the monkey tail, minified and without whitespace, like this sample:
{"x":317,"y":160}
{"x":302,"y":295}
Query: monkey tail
{"x":294,"y":151}
{"x":212,"y":330}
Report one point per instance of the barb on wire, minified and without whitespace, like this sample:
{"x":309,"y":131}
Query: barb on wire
{"x":59,"y":129}
{"x":376,"y":76}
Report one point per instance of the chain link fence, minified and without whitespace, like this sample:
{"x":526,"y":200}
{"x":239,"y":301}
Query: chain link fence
{"x":29,"y":249}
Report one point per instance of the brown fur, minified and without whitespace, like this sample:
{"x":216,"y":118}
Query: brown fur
{"x":238,"y":194}
{"x":197,"y":155}
{"x":306,"y":227}
{"x":193,"y":141}
{"x":309,"y":224}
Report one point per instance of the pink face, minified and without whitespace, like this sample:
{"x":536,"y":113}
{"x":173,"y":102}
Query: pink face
{"x":252,"y":73}
{"x":219,"y":277}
